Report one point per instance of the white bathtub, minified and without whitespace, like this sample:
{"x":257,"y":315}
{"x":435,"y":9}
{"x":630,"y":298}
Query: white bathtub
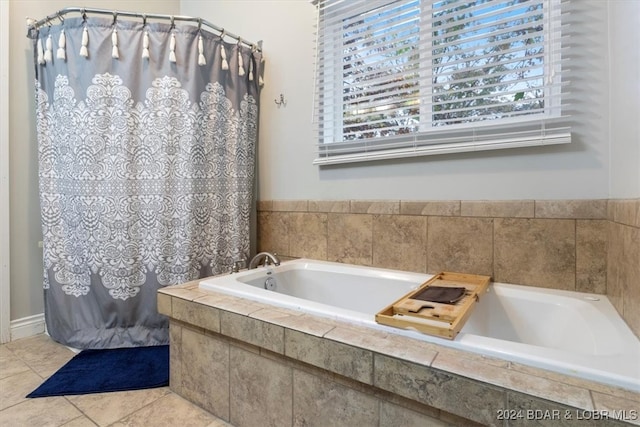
{"x":573,"y":333}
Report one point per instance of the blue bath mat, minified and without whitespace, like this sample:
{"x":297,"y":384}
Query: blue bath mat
{"x":100,"y":371}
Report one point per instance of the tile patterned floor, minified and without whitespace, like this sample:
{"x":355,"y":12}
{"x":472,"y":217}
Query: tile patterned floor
{"x":26,"y":363}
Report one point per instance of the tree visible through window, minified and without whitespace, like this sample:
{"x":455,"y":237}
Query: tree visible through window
{"x":388,"y":69}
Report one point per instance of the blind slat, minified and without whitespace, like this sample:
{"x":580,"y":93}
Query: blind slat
{"x":411,"y":69}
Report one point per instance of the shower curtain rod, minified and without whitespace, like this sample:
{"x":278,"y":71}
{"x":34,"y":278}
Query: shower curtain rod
{"x":115,"y":13}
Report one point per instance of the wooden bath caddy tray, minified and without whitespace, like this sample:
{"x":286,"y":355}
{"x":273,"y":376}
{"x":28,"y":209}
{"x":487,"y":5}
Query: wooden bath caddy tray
{"x":417,"y":310}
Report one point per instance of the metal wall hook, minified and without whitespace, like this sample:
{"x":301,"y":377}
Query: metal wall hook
{"x":281,"y":102}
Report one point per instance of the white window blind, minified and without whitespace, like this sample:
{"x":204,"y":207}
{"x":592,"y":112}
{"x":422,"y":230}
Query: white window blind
{"x":417,"y":77}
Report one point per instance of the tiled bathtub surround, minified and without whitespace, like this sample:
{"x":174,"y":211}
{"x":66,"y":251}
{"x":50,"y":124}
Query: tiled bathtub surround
{"x":581,"y":245}
{"x":252,"y":364}
{"x":623,"y":259}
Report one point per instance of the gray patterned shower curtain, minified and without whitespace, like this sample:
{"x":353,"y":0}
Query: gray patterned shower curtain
{"x":147,"y":135}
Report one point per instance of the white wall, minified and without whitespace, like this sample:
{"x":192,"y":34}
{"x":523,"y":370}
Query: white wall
{"x":286,"y":28}
{"x":4,"y":175}
{"x":624,"y":36}
{"x":579,"y":170}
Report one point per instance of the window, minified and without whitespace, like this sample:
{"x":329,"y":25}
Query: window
{"x":408,"y":78}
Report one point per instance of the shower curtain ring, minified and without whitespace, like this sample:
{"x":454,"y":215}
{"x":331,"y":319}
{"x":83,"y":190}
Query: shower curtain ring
{"x":115,"y":17}
{"x":144,"y":19}
{"x":222,"y":34}
{"x":173,"y":24}
{"x":60,"y":17}
{"x":199,"y":24}
{"x":83,"y":12}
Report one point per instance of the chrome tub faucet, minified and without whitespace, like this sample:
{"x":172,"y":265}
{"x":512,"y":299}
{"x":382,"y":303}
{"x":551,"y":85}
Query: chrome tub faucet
{"x":267,"y":258}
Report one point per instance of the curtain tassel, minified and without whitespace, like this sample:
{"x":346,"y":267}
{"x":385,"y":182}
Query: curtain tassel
{"x":85,"y":41}
{"x":40,"y":52}
{"x":62,"y":44}
{"x":201,"y":58}
{"x":223,"y":54}
{"x":240,"y":63}
{"x":48,"y":54}
{"x":251,"y":58}
{"x":172,"y":48}
{"x":145,"y":45}
{"x":260,"y":78}
{"x":114,"y":41}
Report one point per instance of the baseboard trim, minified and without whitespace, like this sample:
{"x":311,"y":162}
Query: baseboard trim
{"x":27,"y":326}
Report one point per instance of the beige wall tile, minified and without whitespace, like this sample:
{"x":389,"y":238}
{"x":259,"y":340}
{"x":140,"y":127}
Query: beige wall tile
{"x":236,"y":305}
{"x":631,"y":265}
{"x":623,"y":272}
{"x":189,"y":293}
{"x":400,"y":242}
{"x":394,"y":415}
{"x":196,"y":314}
{"x":421,"y":352}
{"x":319,"y":402}
{"x":264,"y":205}
{"x":591,"y":256}
{"x":261,"y":390}
{"x":307,"y":324}
{"x":521,"y":403}
{"x":433,"y":208}
{"x":290,"y":205}
{"x":452,"y":393}
{"x":519,"y":251}
{"x":350,"y":238}
{"x":536,"y":252}
{"x":334,"y":206}
{"x":253,"y":331}
{"x":164,"y":304}
{"x":308,"y":235}
{"x":205,"y":372}
{"x":273,"y":232}
{"x":513,"y":380}
{"x":571,"y":209}
{"x":351,"y":362}
{"x":462,"y":245}
{"x":615,"y":266}
{"x":606,"y":402}
{"x":375,"y":207}
{"x":626,"y":211}
{"x":175,"y":357}
{"x":497,"y":208}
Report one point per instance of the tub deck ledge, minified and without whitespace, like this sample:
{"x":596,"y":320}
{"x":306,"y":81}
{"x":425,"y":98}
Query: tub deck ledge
{"x":426,"y":378}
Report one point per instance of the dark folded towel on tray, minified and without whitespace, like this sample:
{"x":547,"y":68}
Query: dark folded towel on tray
{"x":441,"y":294}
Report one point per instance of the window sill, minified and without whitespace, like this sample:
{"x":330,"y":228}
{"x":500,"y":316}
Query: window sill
{"x":434,"y":149}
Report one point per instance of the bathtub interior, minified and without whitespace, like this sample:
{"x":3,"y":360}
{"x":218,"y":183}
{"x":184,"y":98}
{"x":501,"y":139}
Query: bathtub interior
{"x":573,"y":333}
{"x":547,"y":318}
{"x":322,"y":287}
